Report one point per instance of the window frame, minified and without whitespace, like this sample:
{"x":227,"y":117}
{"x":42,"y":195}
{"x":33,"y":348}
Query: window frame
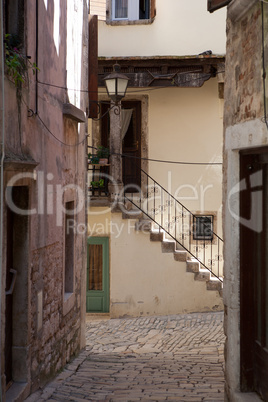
{"x":121,"y":18}
{"x":200,"y":236}
{"x":133,"y":14}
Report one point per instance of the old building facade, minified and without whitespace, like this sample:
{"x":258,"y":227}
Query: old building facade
{"x":245,"y":200}
{"x":43,"y":176}
{"x":171,"y":146}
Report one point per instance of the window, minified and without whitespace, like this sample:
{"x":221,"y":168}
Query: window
{"x":203,"y":227}
{"x":132,"y":10}
{"x":14,"y":21}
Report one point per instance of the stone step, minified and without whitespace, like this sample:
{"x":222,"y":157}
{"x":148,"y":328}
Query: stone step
{"x":156,"y":236}
{"x":202,"y":276}
{"x":143,"y":225}
{"x":132,"y":214}
{"x":192,"y":265}
{"x":180,"y":255}
{"x":168,"y":246}
{"x":214,"y":285}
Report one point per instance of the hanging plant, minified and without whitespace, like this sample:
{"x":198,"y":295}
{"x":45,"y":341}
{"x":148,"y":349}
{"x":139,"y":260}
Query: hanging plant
{"x":17,"y":63}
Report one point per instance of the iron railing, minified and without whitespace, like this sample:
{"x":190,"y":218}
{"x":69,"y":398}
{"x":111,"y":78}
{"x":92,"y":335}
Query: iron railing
{"x":178,"y":224}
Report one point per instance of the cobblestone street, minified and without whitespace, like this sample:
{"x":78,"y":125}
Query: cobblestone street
{"x":165,"y":358}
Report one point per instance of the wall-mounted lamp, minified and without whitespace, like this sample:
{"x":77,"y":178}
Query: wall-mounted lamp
{"x":116,"y":84}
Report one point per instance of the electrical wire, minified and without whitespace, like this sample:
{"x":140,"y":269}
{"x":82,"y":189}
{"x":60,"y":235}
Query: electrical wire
{"x":163,"y":161}
{"x":138,"y":90}
{"x":31,"y":113}
{"x":61,"y":142}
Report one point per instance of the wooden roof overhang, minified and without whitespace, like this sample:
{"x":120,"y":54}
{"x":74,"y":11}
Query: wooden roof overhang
{"x":163,"y":71}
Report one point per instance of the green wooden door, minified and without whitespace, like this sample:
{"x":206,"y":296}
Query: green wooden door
{"x":98,"y":275}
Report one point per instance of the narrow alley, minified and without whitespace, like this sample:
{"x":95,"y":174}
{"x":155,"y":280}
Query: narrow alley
{"x":163,"y":358}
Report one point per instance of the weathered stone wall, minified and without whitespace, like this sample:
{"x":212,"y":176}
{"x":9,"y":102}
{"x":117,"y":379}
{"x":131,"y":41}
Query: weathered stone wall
{"x":59,"y":338}
{"x":244,"y":129}
{"x":53,"y":318}
{"x":243,"y":69}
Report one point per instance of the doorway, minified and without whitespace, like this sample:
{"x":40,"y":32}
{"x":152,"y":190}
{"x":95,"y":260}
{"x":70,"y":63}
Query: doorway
{"x":254,"y":271}
{"x":17,"y":268}
{"x":131,"y":142}
{"x":98,"y":284}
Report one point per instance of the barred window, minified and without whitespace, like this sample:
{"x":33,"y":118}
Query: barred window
{"x":203,"y":227}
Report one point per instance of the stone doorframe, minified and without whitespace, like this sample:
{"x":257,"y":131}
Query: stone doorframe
{"x":96,"y":127}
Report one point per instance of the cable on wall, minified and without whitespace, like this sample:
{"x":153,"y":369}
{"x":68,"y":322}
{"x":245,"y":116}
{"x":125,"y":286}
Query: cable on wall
{"x":264,"y":70}
{"x":163,"y":161}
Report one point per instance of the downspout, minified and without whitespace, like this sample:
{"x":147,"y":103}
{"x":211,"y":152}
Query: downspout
{"x":36,"y":57}
{"x":2,"y":144}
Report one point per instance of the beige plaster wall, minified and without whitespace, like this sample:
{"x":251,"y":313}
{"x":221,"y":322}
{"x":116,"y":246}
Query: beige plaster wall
{"x":185,"y":125}
{"x":143,"y":280}
{"x":180,"y":28}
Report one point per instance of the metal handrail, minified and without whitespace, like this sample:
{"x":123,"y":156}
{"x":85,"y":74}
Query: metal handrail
{"x":177,"y":222}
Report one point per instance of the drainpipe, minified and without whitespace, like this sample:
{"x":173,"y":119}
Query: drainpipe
{"x":2,"y":145}
{"x":36,"y":57}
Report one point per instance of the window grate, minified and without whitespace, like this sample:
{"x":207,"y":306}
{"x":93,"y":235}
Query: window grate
{"x":203,"y":227}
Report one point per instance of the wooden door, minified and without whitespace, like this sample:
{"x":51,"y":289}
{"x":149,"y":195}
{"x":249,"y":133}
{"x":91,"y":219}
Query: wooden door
{"x":131,"y":149}
{"x":254,"y":272}
{"x":97,"y":299}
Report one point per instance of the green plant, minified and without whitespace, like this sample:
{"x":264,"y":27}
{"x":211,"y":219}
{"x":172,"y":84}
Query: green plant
{"x":99,"y":183}
{"x":103,"y":152}
{"x":16,"y":62}
{"x":93,"y":158}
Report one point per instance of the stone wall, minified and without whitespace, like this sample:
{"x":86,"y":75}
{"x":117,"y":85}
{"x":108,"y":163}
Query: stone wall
{"x":243,"y":85}
{"x":244,"y":128}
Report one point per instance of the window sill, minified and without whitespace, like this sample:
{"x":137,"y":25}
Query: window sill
{"x":129,"y":22}
{"x":73,"y":113}
{"x":68,"y":302}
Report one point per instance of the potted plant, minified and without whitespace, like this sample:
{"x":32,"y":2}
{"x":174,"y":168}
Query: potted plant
{"x":103,"y":155}
{"x":93,"y":159}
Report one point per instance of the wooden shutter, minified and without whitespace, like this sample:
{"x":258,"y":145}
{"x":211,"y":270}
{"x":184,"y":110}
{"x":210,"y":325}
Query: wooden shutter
{"x":93,"y":66}
{"x":216,"y":4}
{"x":152,"y":9}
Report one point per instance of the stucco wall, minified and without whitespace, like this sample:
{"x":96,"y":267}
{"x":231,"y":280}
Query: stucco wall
{"x":180,"y":28}
{"x":143,"y":280}
{"x":185,"y":125}
{"x":54,"y":319}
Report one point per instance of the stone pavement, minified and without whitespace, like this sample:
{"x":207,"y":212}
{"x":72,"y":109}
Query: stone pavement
{"x":164,"y":358}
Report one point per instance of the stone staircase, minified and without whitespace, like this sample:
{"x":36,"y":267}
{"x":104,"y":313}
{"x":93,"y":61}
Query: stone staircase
{"x":144,"y":224}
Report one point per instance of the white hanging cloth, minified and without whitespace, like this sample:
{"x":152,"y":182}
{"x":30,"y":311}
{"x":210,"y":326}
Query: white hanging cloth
{"x":125,"y":121}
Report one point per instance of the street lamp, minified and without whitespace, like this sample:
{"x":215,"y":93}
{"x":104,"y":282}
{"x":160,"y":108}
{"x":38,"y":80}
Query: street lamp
{"x":116,"y":84}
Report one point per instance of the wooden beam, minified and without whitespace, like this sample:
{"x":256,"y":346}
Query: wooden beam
{"x":214,"y":5}
{"x":93,"y":66}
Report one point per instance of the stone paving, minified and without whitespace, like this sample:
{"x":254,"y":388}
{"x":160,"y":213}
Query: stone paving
{"x":164,"y":358}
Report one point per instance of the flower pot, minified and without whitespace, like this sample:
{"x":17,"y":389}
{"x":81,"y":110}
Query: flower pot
{"x":103,"y":161}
